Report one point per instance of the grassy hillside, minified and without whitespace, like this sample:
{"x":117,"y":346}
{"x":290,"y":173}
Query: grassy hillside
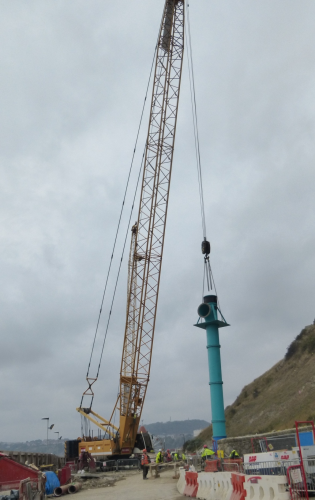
{"x":277,"y":398}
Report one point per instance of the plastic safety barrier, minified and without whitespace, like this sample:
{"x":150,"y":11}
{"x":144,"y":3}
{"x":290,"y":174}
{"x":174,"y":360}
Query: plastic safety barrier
{"x":239,"y":492}
{"x":182,"y":481}
{"x":214,"y":486}
{"x":266,"y":488}
{"x":213,"y":465}
{"x":191,"y":486}
{"x":64,"y":475}
{"x":231,"y":486}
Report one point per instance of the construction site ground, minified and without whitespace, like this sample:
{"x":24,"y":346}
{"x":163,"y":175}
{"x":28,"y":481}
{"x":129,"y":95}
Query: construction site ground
{"x":131,"y":486}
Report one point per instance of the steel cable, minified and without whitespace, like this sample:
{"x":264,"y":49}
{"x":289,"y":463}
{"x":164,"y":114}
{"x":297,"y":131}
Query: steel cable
{"x":121,"y":212}
{"x":135,"y":193}
{"x":207,"y":272}
{"x":120,"y":263}
{"x":195,"y":122}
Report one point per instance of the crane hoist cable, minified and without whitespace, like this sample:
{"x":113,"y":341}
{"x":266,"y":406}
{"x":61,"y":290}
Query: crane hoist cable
{"x":120,"y":216}
{"x":195,"y":121}
{"x":114,"y":292}
{"x":205,"y":246}
{"x":117,"y":232}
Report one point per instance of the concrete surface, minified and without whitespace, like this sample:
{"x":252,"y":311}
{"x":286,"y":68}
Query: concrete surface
{"x":135,"y":488}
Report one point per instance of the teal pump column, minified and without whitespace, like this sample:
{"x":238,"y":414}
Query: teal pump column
{"x":208,"y":313}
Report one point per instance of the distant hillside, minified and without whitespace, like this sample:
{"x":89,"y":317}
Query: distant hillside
{"x":277,"y":398}
{"x":55,"y":446}
{"x":176,"y":427}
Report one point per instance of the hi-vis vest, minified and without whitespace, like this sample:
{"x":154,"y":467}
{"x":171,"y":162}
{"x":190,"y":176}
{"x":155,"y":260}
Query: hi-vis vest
{"x":144,"y":459}
{"x":159,"y":458}
{"x":206,"y":452}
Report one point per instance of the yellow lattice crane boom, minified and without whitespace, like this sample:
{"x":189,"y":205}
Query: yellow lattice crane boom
{"x":147,"y":242}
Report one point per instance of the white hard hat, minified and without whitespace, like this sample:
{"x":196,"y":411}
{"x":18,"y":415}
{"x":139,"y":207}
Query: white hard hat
{"x":160,"y":449}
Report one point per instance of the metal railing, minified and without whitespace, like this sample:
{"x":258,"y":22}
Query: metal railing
{"x":231,"y":465}
{"x":130,"y":463}
{"x":121,"y":464}
{"x":194,"y":460}
{"x":274,"y":468}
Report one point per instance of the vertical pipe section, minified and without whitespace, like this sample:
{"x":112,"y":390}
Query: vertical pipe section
{"x":208,"y":312}
{"x":216,"y":382}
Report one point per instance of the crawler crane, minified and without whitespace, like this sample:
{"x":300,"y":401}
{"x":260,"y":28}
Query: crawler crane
{"x":146,"y":251}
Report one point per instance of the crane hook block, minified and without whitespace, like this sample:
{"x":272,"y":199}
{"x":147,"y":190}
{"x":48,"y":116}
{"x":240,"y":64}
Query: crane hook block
{"x":205,"y":247}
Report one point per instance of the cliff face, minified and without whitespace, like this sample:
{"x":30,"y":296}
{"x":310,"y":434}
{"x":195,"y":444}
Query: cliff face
{"x":277,"y":398}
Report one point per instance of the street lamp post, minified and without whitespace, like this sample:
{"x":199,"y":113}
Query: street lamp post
{"x":48,"y":427}
{"x":57,"y":432}
{"x":47,"y":419}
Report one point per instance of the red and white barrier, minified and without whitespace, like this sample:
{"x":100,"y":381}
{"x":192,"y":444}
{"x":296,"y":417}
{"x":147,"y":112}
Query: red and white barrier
{"x":182,"y":481}
{"x":191,"y":486}
{"x":233,"y":486}
{"x":266,"y":488}
{"x":214,"y":486}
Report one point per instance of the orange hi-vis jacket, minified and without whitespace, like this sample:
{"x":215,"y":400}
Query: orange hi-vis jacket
{"x":144,"y":459}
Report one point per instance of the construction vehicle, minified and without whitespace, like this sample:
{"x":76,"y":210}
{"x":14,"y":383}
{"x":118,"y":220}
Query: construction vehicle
{"x":146,"y":251}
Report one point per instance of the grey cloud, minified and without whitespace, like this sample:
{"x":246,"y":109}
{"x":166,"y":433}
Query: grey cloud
{"x":73,"y":77}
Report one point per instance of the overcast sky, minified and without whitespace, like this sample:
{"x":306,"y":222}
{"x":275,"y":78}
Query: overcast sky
{"x":73,"y":80}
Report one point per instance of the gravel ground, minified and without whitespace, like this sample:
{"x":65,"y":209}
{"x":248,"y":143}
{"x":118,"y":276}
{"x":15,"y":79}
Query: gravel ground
{"x":130,"y":486}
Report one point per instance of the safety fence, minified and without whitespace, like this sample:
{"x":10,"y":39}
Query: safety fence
{"x":30,"y":489}
{"x":296,"y":481}
{"x":273,"y":468}
{"x":161,"y":467}
{"x":237,"y":465}
{"x":121,"y":464}
{"x":194,"y":460}
{"x":301,"y":479}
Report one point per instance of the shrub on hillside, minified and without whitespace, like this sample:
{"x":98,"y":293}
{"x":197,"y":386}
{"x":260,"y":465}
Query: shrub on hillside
{"x":192,"y":445}
{"x":255,"y":392}
{"x":304,"y":342}
{"x":309,"y":343}
{"x":291,"y":350}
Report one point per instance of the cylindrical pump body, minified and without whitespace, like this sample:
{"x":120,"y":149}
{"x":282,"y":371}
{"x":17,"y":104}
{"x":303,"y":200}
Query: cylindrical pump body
{"x":208,"y":311}
{"x":216,"y":383}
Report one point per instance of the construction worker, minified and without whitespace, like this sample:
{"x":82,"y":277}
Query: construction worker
{"x":207,"y":453}
{"x":234,"y":454}
{"x":183,"y":456}
{"x":176,"y":457}
{"x":159,"y":459}
{"x":168,"y":456}
{"x":145,"y":460}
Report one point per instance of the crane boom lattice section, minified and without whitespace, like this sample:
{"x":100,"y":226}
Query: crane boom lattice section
{"x":148,"y":234}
